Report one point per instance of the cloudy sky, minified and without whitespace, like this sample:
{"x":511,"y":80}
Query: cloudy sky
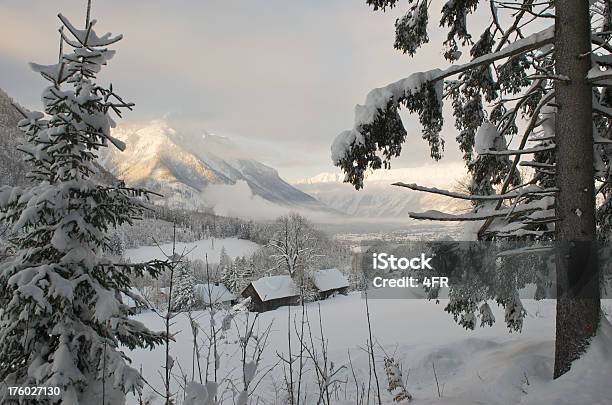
{"x":281,"y":78}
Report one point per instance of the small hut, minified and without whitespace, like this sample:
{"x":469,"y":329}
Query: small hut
{"x":272,"y":292}
{"x":329,"y":282}
{"x":213,"y":294}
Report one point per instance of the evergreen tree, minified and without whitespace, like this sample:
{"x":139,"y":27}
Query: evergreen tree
{"x":225,"y":262}
{"x":183,"y":297}
{"x":63,"y":322}
{"x":238,"y":275}
{"x":230,"y":277}
{"x":555,"y":82}
{"x":247,"y":272}
{"x":116,"y":244}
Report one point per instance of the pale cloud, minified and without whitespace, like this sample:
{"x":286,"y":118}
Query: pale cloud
{"x":238,"y":200}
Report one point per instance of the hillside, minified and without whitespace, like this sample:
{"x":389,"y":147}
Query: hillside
{"x":12,"y":167}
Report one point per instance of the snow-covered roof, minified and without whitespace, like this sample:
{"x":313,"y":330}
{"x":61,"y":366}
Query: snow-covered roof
{"x":274,"y":287}
{"x":329,"y":279}
{"x":129,"y":301}
{"x":213,"y":293}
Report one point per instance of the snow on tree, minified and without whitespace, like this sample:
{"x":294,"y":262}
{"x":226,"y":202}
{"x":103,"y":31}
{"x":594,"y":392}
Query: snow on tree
{"x":201,"y":394}
{"x":486,"y":315}
{"x":531,"y":89}
{"x":238,"y":274}
{"x":295,"y":250}
{"x":224,"y":260}
{"x":183,"y":297}
{"x":116,"y":244}
{"x":292,"y":244}
{"x":396,"y":382}
{"x":230,"y":277}
{"x":63,"y":321}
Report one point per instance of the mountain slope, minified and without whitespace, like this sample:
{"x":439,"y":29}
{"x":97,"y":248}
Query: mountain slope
{"x":12,"y":167}
{"x":182,"y":166}
{"x":379,"y":199}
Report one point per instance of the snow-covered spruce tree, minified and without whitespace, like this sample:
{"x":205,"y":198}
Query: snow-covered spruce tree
{"x":238,"y":274}
{"x":230,"y":277}
{"x":116,"y":244}
{"x":183,"y":298}
{"x":63,"y":322}
{"x":225,"y":262}
{"x":534,"y":79}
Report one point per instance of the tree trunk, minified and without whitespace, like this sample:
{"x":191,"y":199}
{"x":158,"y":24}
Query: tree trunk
{"x":578,"y":303}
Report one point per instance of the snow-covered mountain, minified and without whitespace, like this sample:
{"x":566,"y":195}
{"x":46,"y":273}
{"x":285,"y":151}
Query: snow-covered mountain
{"x":184,"y":167}
{"x":193,"y":171}
{"x":378,"y":199}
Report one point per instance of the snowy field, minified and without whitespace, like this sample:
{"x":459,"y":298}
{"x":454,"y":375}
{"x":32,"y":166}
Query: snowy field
{"x":488,"y":366}
{"x":200,"y":249}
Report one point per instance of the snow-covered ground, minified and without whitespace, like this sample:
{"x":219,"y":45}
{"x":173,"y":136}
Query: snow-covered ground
{"x":200,"y":249}
{"x":487,"y":366}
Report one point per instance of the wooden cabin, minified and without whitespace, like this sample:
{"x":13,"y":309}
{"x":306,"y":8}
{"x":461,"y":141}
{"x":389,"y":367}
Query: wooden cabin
{"x":272,"y":292}
{"x":330,"y":282}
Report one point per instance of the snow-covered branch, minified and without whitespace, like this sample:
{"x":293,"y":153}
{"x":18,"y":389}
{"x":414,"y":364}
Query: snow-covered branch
{"x":525,"y":151}
{"x":538,"y":205}
{"x":378,"y":126}
{"x":533,"y":189}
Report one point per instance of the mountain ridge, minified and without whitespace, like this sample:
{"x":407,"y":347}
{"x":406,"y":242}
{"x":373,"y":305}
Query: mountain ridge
{"x":182,"y":166}
{"x":379,"y":199}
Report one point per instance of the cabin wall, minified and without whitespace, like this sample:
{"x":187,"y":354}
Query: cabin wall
{"x":257,"y":304}
{"x":280,"y":302}
{"x":326,"y":294}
